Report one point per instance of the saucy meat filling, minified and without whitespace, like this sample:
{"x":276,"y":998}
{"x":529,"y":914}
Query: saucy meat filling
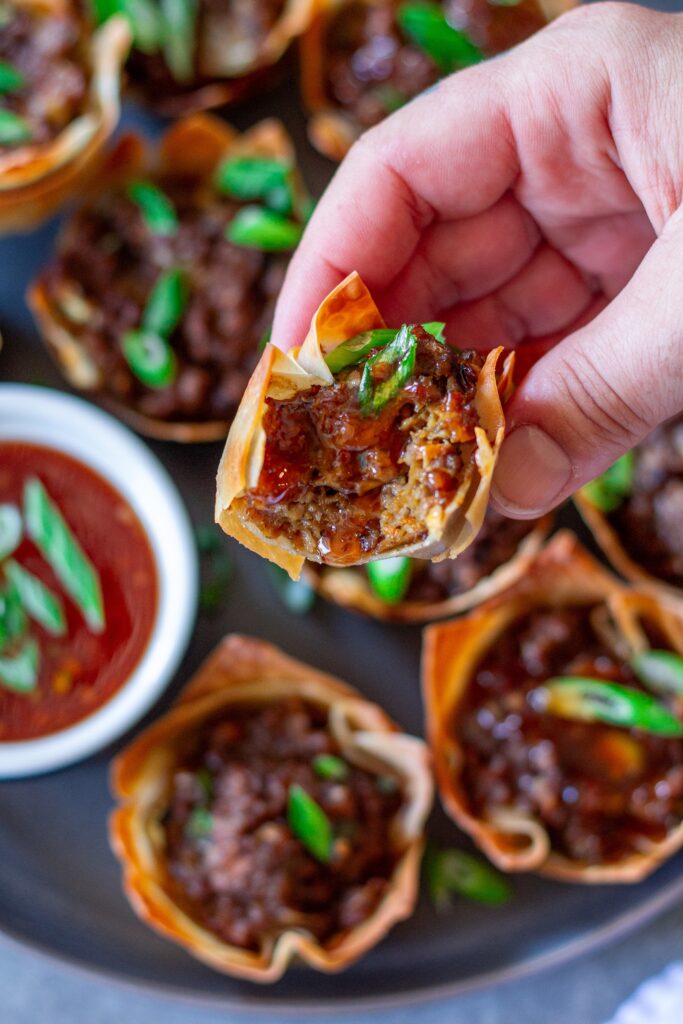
{"x":344,"y":482}
{"x":104,"y":273}
{"x":373,"y":67}
{"x":47,"y":76}
{"x":600,"y":791}
{"x":233,"y":859}
{"x":650,"y":518}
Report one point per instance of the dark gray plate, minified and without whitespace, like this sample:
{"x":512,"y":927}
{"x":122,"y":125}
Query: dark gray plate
{"x":59,"y":884}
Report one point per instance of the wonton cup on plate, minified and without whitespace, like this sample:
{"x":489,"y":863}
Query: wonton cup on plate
{"x":363,"y":59}
{"x":247,"y":677}
{"x":448,"y":587}
{"x":116,"y":250}
{"x":55,"y":141}
{"x":219,"y":56}
{"x":572,"y":798}
{"x":390,"y":452}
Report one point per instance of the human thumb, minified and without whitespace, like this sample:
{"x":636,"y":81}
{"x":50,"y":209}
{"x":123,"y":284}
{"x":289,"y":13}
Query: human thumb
{"x":600,"y":391}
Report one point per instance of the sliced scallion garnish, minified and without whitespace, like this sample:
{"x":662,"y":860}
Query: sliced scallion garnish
{"x":49,"y":531}
{"x":13,"y":129}
{"x":166,"y":303}
{"x":296,"y":595}
{"x":354,"y":349}
{"x":426,"y":24}
{"x":146,"y":23}
{"x":309,"y":823}
{"x":258,"y":228}
{"x":199,"y":825}
{"x":150,"y":358}
{"x":329,"y":766}
{"x":156,"y":208}
{"x":10,"y":530}
{"x":13,"y":619}
{"x":609,"y":491}
{"x":661,"y":671}
{"x":37,"y":600}
{"x":11,"y":78}
{"x":401,"y":353}
{"x":389,"y":578}
{"x":436,"y":328}
{"x":247,"y":177}
{"x":178,"y":42}
{"x":450,"y":872}
{"x":19,"y":672}
{"x":596,"y":700}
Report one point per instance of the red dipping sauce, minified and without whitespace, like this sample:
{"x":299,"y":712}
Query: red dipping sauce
{"x":81,"y":670}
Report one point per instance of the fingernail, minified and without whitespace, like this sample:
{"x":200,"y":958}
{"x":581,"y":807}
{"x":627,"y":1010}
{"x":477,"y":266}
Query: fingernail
{"x":531,"y":474}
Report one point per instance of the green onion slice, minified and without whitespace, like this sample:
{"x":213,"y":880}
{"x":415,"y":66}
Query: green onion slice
{"x":436,"y":328}
{"x":309,"y":823}
{"x":296,"y":595}
{"x":661,"y":671}
{"x":450,"y":872}
{"x":329,"y":766}
{"x":38,"y":601}
{"x":166,"y":303}
{"x":355,"y":349}
{"x":400,"y":352}
{"x":49,"y":531}
{"x":199,"y":825}
{"x":389,"y":578}
{"x":216,"y":568}
{"x":13,"y":620}
{"x":248,"y":177}
{"x":11,"y":78}
{"x":13,"y":129}
{"x":179,"y":20}
{"x":259,"y":228}
{"x":10,"y":530}
{"x":156,"y":208}
{"x":150,"y":358}
{"x":146,"y":23}
{"x":594,"y":700}
{"x":609,"y":491}
{"x":427,"y":26}
{"x":20,"y":672}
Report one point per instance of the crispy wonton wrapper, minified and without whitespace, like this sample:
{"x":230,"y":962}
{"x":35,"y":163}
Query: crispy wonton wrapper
{"x":610,"y":543}
{"x":350,"y":588}
{"x":563,"y":575}
{"x":36,"y":179}
{"x":244,"y":670}
{"x":193,"y":147}
{"x":349,"y":310}
{"x":232,"y":68}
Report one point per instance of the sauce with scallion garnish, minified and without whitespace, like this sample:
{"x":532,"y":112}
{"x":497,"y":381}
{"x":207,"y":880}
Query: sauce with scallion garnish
{"x":78,"y":591}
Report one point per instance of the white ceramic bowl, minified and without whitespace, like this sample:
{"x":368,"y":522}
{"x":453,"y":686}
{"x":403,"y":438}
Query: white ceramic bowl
{"x":57,"y":420}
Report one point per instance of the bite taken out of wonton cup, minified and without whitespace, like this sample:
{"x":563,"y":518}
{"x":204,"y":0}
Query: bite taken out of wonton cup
{"x":365,"y":442}
{"x":58,"y":106}
{"x":555,"y":718}
{"x":271,"y":815}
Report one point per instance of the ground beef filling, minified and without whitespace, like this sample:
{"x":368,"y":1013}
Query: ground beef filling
{"x":109,"y":261}
{"x":373,"y":68}
{"x":649,"y":522}
{"x":46,"y":49}
{"x":601,"y":792}
{"x":343,"y":484}
{"x":244,"y":874}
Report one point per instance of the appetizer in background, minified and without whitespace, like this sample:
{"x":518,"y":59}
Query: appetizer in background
{"x":555,"y":716}
{"x":365,"y":441}
{"x":59,"y":102}
{"x":402,"y":589}
{"x":635,"y":511}
{"x":363,"y":59}
{"x":162,"y":288}
{"x":190,"y":55}
{"x":272,"y":814}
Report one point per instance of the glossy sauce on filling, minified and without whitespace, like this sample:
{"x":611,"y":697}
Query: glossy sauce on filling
{"x":234,"y":863}
{"x":599,"y":790}
{"x":81,"y":670}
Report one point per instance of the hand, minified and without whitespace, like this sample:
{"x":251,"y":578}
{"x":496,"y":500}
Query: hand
{"x":533,"y":200}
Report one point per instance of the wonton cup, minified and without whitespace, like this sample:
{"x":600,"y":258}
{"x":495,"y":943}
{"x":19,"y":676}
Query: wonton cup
{"x":333,"y":130}
{"x":350,"y":587}
{"x":37,"y":178}
{"x":246,"y":671}
{"x":191,"y":148}
{"x":563,"y":575}
{"x":349,"y":310}
{"x":235,"y":71}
